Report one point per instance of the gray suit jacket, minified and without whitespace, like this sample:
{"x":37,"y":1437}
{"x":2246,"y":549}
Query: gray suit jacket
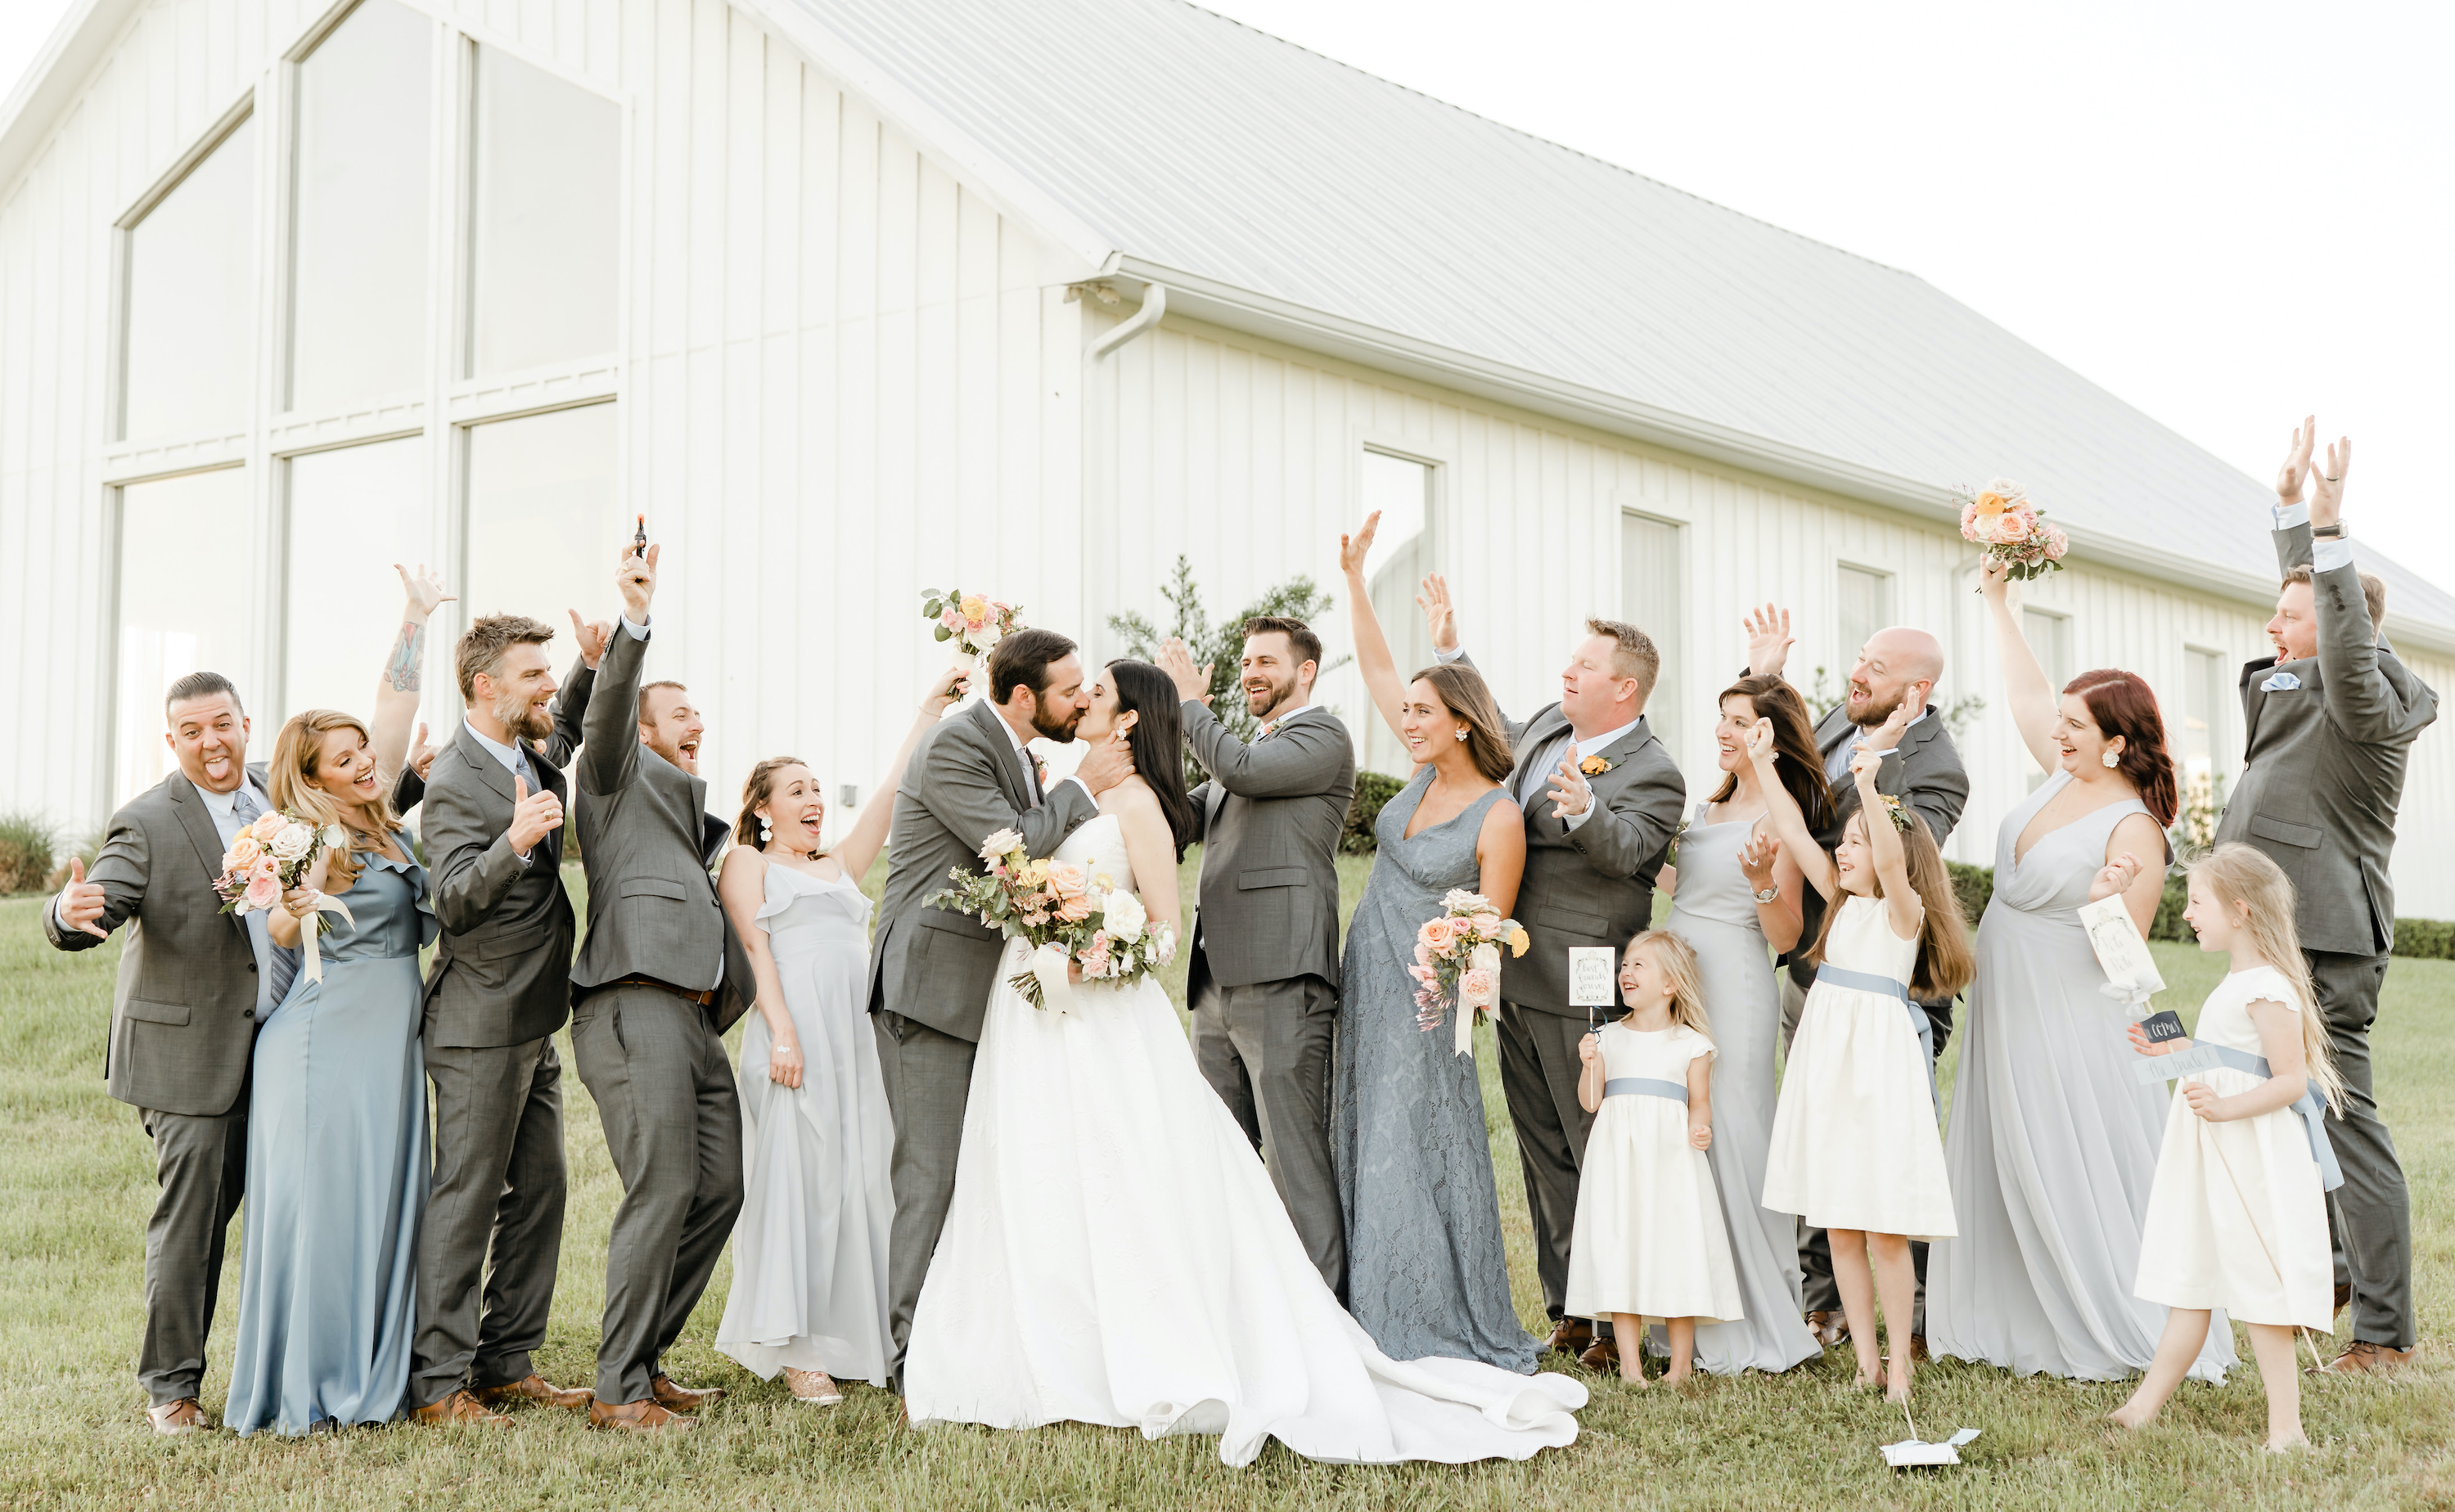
{"x":646,"y":841}
{"x":2326,"y":763}
{"x":501,"y":975}
{"x":965,"y":784}
{"x":1593,"y":885}
{"x":1925,"y":772}
{"x":181,"y":1026}
{"x":1269,"y":821}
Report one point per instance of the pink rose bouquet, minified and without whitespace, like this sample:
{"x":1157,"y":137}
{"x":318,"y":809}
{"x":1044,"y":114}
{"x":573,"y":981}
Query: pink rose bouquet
{"x":1457,"y":961}
{"x":2008,"y":526}
{"x":270,"y":858}
{"x":1074,"y":923}
{"x":973,"y":621}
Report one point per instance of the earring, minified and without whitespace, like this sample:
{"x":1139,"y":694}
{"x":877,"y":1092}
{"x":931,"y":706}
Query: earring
{"x":766,"y":832}
{"x":1461,"y":734}
{"x":2112,"y":759}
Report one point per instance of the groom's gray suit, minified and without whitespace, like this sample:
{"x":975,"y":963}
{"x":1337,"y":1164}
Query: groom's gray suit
{"x":1264,"y":975}
{"x":660,"y":976}
{"x":2326,"y":742}
{"x":931,"y":970}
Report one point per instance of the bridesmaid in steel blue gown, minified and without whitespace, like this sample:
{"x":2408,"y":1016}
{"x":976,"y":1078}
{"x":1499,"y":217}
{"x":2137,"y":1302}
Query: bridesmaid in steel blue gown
{"x":336,"y":1158}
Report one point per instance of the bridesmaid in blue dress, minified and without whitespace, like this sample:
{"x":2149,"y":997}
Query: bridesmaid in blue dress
{"x":1427,"y":1274}
{"x":337,"y":1160}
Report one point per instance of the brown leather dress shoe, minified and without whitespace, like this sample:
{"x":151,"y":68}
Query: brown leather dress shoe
{"x":172,"y":1419}
{"x":2343,"y":1295}
{"x":534,"y":1388}
{"x":457,"y":1408}
{"x":1917,"y":1349}
{"x":2362,"y":1358}
{"x":1603,"y":1353}
{"x":643,"y":1415}
{"x":1571,"y":1336}
{"x":1828,"y":1328}
{"x":673,"y":1397}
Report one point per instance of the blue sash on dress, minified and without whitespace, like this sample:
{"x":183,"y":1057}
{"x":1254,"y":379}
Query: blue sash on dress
{"x":1644,"y":1087}
{"x":2312,"y":1107}
{"x":1869,"y":981}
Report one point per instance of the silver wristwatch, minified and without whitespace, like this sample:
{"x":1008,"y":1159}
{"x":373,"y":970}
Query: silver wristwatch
{"x":1768,"y":895}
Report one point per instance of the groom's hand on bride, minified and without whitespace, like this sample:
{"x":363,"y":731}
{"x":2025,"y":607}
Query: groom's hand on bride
{"x":1177,"y":661}
{"x":637,"y":578}
{"x":1111,"y":762}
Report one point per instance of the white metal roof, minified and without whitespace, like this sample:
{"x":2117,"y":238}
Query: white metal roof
{"x":1188,"y":141}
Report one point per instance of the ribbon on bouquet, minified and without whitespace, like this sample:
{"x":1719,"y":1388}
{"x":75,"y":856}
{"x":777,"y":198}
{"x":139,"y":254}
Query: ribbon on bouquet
{"x":312,"y":964}
{"x":1485,"y":958}
{"x":1050,"y":964}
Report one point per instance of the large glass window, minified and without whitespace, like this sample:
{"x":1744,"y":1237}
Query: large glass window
{"x":1651,"y":589}
{"x":2205,"y":693}
{"x":183,"y":585}
{"x":191,"y":333}
{"x":543,"y":532}
{"x":353,"y":513}
{"x":546,"y":203}
{"x":1401,"y":488}
{"x":1862,"y":605}
{"x":357,"y":319}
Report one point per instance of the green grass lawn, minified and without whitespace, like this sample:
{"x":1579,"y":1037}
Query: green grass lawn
{"x":78,"y":1184}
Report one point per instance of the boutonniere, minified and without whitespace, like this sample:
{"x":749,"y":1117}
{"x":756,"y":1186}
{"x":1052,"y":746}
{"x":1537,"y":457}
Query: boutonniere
{"x":1595,"y":766}
{"x":1893,"y":810}
{"x":1670,"y":853}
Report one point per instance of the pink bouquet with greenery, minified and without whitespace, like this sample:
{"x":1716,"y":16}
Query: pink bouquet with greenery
{"x":2010,"y":527}
{"x":1457,"y":961}
{"x":1076,"y":922}
{"x":973,"y":621}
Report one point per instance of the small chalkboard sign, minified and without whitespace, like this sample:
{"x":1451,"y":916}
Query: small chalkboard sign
{"x":1592,"y":979}
{"x":2162,"y":1026}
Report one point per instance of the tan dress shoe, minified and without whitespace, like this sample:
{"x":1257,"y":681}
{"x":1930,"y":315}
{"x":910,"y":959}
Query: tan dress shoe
{"x":172,"y":1419}
{"x":643,"y":1415}
{"x":457,"y":1408}
{"x":814,"y":1386}
{"x":1603,"y":1353}
{"x":674,"y":1396}
{"x":534,"y":1388}
{"x":2362,"y":1358}
{"x":1571,"y":1336}
{"x":1828,"y":1328}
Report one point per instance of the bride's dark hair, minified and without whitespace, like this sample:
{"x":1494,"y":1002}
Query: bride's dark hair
{"x":1158,"y":739}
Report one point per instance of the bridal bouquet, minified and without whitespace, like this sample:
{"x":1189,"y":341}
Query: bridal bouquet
{"x":1070,"y":919}
{"x":1457,"y":959}
{"x":2012,"y":529}
{"x":270,"y":858}
{"x":974,"y":622}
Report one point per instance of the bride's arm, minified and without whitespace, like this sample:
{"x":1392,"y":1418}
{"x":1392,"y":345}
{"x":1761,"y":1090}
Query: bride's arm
{"x":1150,"y":848}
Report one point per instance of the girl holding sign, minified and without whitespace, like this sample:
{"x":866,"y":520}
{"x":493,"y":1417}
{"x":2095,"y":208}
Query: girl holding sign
{"x":1649,"y":1239}
{"x":2238,"y":1217}
{"x":1855,"y":1147}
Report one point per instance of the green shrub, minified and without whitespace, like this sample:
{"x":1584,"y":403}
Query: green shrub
{"x":1975,"y":886}
{"x":2168,"y":923}
{"x":2429,"y":939}
{"x":1373,"y":790}
{"x":26,"y":853}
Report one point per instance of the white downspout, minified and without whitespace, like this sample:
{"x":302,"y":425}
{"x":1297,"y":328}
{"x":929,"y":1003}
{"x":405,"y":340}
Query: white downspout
{"x":1103,"y":401}
{"x":1154,"y":305}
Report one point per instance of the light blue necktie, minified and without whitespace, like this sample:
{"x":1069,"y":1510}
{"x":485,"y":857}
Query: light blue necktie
{"x":281,"y":966}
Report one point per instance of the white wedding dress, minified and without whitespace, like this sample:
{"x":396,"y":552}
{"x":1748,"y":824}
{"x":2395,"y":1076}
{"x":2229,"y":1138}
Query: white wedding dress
{"x":1115,"y":1254}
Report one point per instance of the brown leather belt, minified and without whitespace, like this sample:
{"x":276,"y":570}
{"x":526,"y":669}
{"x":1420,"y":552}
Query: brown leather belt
{"x":705,"y":1000}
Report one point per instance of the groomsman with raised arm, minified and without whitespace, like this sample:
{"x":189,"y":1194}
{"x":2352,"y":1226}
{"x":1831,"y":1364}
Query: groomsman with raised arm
{"x":1264,"y":975}
{"x":500,"y":987}
{"x":1602,"y":799}
{"x":1896,"y":666}
{"x":660,"y":976}
{"x":195,"y":983}
{"x":2328,"y":725}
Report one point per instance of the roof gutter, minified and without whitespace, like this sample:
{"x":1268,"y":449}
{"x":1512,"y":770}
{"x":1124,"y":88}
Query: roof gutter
{"x":1259,"y":314}
{"x":1154,"y":305}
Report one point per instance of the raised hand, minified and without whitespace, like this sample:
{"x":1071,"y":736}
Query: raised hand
{"x":1176,"y":659}
{"x":1756,"y":854}
{"x":590,"y":638}
{"x":2328,"y":484}
{"x":533,"y":816}
{"x":1570,"y":795}
{"x":1111,"y":762}
{"x":1353,"y":549}
{"x":1440,"y":616}
{"x":424,"y":591}
{"x":1761,"y":748}
{"x":1769,"y":640}
{"x":81,"y":901}
{"x":945,"y":688}
{"x":2116,"y":878}
{"x":1994,"y":579}
{"x":1868,"y":758}
{"x":2295,"y":465}
{"x":637,"y":578}
{"x":421,"y":756}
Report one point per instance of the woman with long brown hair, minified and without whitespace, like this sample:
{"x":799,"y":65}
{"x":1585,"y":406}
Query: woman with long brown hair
{"x":2053,"y":1144}
{"x":336,"y":1162}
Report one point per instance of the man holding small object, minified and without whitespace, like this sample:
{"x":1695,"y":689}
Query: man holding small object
{"x":2329,"y":722}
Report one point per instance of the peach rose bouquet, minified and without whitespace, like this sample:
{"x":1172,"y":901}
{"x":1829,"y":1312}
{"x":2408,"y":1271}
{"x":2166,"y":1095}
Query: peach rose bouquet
{"x":270,"y":857}
{"x":973,"y":621}
{"x":2010,"y":527}
{"x":1457,"y":961}
{"x":1077,"y":924}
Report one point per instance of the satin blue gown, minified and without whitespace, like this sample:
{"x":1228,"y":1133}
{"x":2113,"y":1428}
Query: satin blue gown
{"x":336,"y":1174}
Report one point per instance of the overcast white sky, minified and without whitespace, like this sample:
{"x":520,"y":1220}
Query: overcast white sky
{"x":2230,"y":214}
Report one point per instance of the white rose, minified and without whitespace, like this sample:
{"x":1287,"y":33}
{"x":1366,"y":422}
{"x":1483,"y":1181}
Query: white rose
{"x":995,"y":846}
{"x":292,"y":842}
{"x":1126,"y":917}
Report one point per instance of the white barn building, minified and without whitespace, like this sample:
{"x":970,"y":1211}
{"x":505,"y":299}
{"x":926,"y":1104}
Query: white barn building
{"x":854,"y":297}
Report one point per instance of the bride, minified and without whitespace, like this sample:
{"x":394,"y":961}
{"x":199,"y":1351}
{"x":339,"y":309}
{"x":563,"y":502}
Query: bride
{"x":1115,"y":1253}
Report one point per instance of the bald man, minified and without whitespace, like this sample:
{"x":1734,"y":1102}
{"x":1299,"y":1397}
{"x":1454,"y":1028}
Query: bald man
{"x":1896,"y":666}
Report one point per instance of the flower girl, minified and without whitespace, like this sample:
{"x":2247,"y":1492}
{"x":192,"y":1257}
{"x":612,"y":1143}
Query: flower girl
{"x":1855,"y":1146}
{"x":1649,"y":1240}
{"x":2238,"y":1217}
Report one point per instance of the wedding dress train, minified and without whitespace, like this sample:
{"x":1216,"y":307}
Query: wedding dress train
{"x":1115,"y":1254}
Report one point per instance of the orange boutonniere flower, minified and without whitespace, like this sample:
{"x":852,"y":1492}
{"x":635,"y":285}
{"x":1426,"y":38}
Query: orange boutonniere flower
{"x":1593,"y":766}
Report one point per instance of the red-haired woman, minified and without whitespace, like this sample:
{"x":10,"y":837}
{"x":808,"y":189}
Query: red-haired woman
{"x":2053,"y":1144}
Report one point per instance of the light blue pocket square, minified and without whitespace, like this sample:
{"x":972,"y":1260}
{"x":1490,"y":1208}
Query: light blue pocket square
{"x":2281,"y":682}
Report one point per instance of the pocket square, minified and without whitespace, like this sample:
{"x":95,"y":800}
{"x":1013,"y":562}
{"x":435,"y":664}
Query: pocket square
{"x":2281,"y":682}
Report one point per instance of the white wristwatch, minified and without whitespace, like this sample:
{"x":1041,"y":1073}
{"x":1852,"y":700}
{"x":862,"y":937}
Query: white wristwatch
{"x":1768,"y":895}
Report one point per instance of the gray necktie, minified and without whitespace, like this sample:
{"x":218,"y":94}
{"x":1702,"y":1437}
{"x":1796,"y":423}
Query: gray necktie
{"x":283,"y":964}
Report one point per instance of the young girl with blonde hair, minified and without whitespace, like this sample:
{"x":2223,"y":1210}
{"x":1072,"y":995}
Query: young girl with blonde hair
{"x":1855,"y":1146}
{"x":1650,"y":1239}
{"x":2237,"y":1218}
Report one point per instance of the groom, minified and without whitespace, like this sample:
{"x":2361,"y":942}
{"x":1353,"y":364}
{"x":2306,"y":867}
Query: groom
{"x":931,"y":970}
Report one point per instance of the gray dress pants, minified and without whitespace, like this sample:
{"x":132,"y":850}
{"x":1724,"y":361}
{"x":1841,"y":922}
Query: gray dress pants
{"x":928,"y":1077}
{"x":2371,"y":1214}
{"x":1265,"y":1048}
{"x":1538,"y":1075}
{"x":673,"y":1124}
{"x":200,"y":1165}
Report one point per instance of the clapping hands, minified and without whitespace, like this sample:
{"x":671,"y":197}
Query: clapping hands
{"x":2326,"y":480}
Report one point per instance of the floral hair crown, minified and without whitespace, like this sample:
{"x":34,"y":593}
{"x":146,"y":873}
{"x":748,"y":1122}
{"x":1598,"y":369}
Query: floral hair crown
{"x":1893,"y":810}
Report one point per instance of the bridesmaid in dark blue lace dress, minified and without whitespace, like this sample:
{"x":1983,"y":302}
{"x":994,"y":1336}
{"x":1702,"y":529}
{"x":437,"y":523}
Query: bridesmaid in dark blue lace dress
{"x":1426,"y":1271}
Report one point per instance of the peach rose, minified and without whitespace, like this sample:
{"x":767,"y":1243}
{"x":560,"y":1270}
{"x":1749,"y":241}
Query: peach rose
{"x":268,"y":825}
{"x":243,"y":853}
{"x":1437,"y":933}
{"x":263,"y":889}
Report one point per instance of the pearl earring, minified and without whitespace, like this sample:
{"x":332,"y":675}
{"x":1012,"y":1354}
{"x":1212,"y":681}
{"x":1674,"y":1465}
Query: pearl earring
{"x":1461,"y":734}
{"x":2112,"y":759}
{"x":766,"y":832}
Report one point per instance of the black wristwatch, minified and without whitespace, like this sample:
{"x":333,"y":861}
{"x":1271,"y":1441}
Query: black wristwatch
{"x":2330,"y":532}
